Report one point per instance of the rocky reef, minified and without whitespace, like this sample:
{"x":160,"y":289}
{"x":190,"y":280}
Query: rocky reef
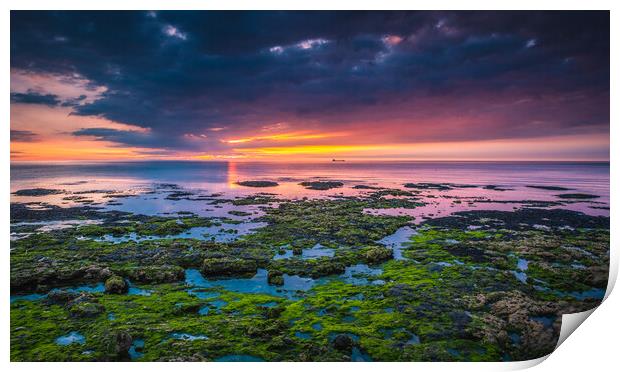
{"x":319,"y":280}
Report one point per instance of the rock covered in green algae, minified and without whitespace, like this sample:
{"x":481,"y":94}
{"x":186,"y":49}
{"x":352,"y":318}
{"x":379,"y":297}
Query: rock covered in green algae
{"x":86,"y":309}
{"x":378,"y":254}
{"x":321,"y":185}
{"x":228,"y":266}
{"x":116,"y":285}
{"x":468,"y":310}
{"x":275,"y":277}
{"x":257,"y":183}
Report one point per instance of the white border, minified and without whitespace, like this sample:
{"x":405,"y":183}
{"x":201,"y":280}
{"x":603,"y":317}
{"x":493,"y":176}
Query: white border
{"x":593,"y":347}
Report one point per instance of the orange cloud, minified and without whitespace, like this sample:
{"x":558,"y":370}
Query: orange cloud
{"x":296,"y":136}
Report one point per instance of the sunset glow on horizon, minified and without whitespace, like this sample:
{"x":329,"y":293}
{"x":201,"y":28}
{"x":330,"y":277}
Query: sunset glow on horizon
{"x":344,"y":85}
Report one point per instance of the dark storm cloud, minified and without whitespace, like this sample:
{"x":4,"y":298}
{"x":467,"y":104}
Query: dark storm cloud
{"x":35,"y":98}
{"x":180,"y":73}
{"x":23,"y":136}
{"x":149,"y":139}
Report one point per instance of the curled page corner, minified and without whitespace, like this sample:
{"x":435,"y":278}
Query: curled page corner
{"x":570,"y":322}
{"x":524,"y":364}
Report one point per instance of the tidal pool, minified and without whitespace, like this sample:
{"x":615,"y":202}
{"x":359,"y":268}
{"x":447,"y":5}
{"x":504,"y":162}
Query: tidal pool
{"x":256,"y":284}
{"x":187,"y":337}
{"x":360,"y":274}
{"x":71,"y":338}
{"x":223,"y":233}
{"x":136,"y":349}
{"x":398,"y":241}
{"x":358,"y":356}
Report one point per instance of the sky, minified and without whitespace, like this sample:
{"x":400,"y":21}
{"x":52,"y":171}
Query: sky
{"x":285,"y":86}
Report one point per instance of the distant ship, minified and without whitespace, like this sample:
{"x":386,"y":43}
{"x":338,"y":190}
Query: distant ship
{"x":337,"y":159}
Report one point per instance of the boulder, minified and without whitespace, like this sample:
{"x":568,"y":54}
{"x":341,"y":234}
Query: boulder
{"x":123,"y":343}
{"x":343,"y":343}
{"x":116,"y":285}
{"x":376,"y":255}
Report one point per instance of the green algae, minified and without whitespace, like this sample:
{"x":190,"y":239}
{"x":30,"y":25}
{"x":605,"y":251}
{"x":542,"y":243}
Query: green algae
{"x":455,"y":290}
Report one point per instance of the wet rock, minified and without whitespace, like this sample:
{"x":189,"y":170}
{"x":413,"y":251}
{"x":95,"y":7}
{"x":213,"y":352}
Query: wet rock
{"x":228,"y":266}
{"x":474,"y":254}
{"x":551,"y":188}
{"x":265,"y":330}
{"x":37,"y":192}
{"x":257,"y":183}
{"x":522,"y":219}
{"x":324,"y":267}
{"x":343,"y":343}
{"x":461,"y":320}
{"x":60,"y":297}
{"x":86,"y":310}
{"x":495,"y":188}
{"x":275,"y":277}
{"x":96,"y":272}
{"x":116,"y":285}
{"x":366,"y":187}
{"x":187,"y":308}
{"x":577,"y":196}
{"x":598,"y":276}
{"x":428,"y":186}
{"x":321,"y":185}
{"x":123,"y":343}
{"x":378,"y":254}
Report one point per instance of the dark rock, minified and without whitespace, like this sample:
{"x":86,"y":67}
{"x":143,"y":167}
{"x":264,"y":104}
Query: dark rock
{"x":343,"y":343}
{"x":577,"y":196}
{"x":257,"y":183}
{"x":474,"y":254}
{"x":521,"y":219}
{"x":365,"y":187}
{"x":428,"y":186}
{"x":321,"y":185}
{"x":187,"y":308}
{"x":37,"y":192}
{"x":552,"y":188}
{"x":123,"y":343}
{"x":96,"y":272}
{"x":60,"y":297}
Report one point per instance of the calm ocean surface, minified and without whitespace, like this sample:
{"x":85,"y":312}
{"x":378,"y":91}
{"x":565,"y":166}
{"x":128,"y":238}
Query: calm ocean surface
{"x":221,"y":177}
